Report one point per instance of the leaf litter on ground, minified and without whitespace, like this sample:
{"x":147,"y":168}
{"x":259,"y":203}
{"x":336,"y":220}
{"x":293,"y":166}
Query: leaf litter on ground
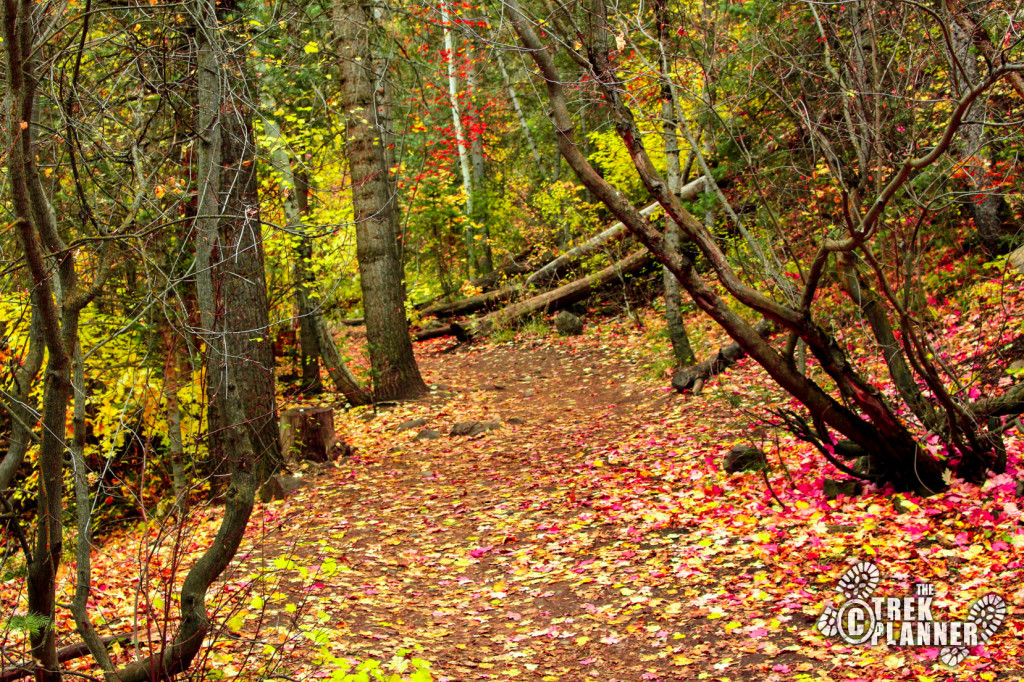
{"x":592,"y":536}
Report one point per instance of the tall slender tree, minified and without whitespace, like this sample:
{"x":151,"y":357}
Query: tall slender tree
{"x":460,"y":136}
{"x":395,"y":373}
{"x":681,"y":347}
{"x":60,"y":299}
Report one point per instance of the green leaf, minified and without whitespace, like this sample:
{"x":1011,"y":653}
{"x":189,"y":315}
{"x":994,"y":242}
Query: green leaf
{"x":31,"y":623}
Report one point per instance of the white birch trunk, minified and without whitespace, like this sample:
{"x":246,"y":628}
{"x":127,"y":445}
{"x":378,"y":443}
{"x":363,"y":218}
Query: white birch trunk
{"x":460,"y":137}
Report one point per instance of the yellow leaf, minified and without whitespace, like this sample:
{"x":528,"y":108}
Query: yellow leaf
{"x":895,"y":662}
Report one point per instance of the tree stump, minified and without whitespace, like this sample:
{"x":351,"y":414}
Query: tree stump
{"x":307,"y":433}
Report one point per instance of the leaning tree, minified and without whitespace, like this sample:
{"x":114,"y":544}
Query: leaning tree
{"x":843,"y":109}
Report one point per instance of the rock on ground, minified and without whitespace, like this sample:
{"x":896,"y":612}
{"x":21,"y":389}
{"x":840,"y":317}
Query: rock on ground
{"x":474,"y":428}
{"x":744,"y":458}
{"x":568,"y":324}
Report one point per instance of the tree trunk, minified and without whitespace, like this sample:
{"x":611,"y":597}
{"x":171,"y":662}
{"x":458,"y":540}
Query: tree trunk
{"x":508,"y":269}
{"x":472,"y":304}
{"x":546,"y":302}
{"x":681,"y":348}
{"x":233,"y":317}
{"x":314,"y":336}
{"x":476,"y":139}
{"x":550,"y":270}
{"x":42,"y":570}
{"x":460,"y":137}
{"x":486,"y":282}
{"x":295,"y":191}
{"x":304,"y":283}
{"x":209,"y":97}
{"x":874,"y":312}
{"x":240,"y":290}
{"x":177,"y":656}
{"x":336,"y":366}
{"x":21,"y":671}
{"x":83,"y":514}
{"x":377,"y":232}
{"x":453,"y":329}
{"x":482,"y":239}
{"x":34,"y":222}
{"x":295,"y":194}
{"x":523,"y":124}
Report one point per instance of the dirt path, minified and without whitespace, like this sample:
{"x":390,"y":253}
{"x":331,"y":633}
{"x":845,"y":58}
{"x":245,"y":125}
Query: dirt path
{"x":515,"y":555}
{"x":592,"y":536}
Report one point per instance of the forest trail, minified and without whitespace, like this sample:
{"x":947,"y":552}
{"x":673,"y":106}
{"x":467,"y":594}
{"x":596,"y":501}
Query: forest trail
{"x":542,"y":550}
{"x":594,"y":537}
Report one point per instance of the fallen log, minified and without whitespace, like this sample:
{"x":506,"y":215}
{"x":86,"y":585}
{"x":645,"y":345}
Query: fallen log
{"x":556,"y":267}
{"x":465,"y":306}
{"x":550,"y":271}
{"x":1008,"y":404}
{"x":694,"y":376}
{"x":561,"y":297}
{"x":456,"y":330}
{"x":548,"y":301}
{"x":20,"y":671}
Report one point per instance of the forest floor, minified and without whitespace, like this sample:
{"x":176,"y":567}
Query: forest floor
{"x":594,"y":536}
